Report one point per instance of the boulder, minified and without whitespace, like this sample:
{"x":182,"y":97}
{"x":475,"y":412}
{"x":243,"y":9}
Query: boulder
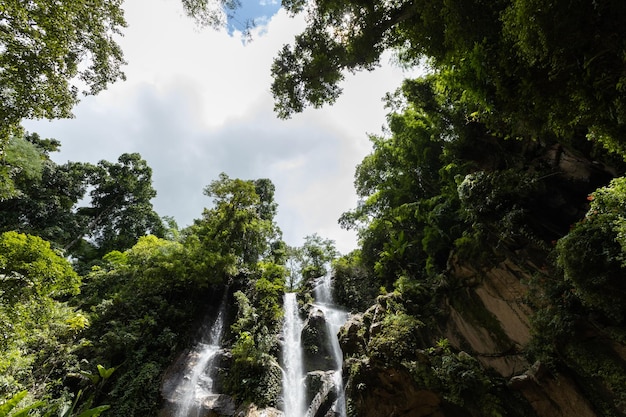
{"x":386,"y":391}
{"x":251,"y":410}
{"x":318,"y":353}
{"x":219,"y":405}
{"x":322,"y":392}
{"x":351,"y":336}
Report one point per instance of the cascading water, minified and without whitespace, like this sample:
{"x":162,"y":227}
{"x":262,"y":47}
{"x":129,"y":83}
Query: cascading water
{"x":197,"y":384}
{"x":293,"y":371}
{"x":335,"y":318}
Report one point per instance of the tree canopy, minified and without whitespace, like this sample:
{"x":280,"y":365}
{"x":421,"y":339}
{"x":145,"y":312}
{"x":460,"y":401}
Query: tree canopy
{"x":50,"y":50}
{"x":525,"y":67}
{"x":51,"y":200}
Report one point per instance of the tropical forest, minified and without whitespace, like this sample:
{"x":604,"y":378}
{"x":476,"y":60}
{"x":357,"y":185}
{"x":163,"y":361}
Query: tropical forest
{"x":490,"y":273}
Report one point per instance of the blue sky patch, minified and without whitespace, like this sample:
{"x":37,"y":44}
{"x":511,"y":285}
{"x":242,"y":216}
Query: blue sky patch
{"x":252,"y":12}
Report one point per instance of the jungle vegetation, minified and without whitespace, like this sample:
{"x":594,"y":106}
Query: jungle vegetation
{"x":98,"y":293}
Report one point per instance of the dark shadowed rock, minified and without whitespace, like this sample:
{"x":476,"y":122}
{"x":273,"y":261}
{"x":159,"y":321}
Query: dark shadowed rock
{"x":318,"y":353}
{"x":384,"y":391}
{"x":321,"y":392}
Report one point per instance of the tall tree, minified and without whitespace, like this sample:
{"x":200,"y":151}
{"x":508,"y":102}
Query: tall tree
{"x":46,"y":199}
{"x":45,"y":194}
{"x":51,"y":51}
{"x":315,"y":256}
{"x":35,"y":327}
{"x":238,"y":230}
{"x":120,"y":210}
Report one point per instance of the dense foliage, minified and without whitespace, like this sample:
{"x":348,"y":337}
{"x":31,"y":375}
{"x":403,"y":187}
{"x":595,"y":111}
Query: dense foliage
{"x":524,"y":67}
{"x":48,"y":51}
{"x":510,"y":151}
{"x":492,"y":156}
{"x":51,"y":200}
{"x":141,"y":300}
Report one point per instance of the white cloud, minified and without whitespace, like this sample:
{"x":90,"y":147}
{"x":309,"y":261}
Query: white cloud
{"x":197,"y":103}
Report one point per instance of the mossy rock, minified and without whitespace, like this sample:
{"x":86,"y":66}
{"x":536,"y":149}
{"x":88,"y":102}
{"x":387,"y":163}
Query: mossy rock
{"x":318,"y":353}
{"x":352,"y":336}
{"x":256,"y":382}
{"x":396,"y":338}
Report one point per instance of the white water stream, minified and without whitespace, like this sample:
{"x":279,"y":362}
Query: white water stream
{"x":197,"y":385}
{"x":293,"y":371}
{"x":335,"y":318}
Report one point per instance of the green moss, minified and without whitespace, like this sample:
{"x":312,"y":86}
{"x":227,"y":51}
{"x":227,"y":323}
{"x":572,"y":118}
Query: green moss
{"x":398,"y":338}
{"x":423,"y":373}
{"x":317,"y":352}
{"x":353,"y":286}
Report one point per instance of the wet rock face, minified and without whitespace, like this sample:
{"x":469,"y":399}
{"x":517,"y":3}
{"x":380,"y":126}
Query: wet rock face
{"x":483,"y":330}
{"x":215,"y":405}
{"x":318,"y":353}
{"x":176,"y":376}
{"x":385,"y":391}
{"x":251,"y":410}
{"x":321,"y":393}
{"x":221,"y":405}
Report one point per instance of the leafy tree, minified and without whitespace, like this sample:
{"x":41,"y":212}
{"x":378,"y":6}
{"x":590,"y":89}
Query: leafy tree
{"x":353,"y":285}
{"x":49,"y":51}
{"x":238,"y":229}
{"x":351,"y":36}
{"x":265,"y":189}
{"x":268,"y":293}
{"x":20,"y":158}
{"x":145,"y":303}
{"x":120,"y":210}
{"x":294,"y":260}
{"x":212,"y":13}
{"x":37,"y":331}
{"x":312,"y":259}
{"x":439,"y":181}
{"x":45,"y":194}
{"x":29,"y":268}
{"x":408,"y":217}
{"x":524,"y":67}
{"x":592,"y":255}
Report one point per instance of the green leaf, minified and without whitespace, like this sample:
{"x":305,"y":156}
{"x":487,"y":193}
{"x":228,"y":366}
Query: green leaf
{"x":92,"y":377}
{"x":11,"y":403}
{"x":104,"y":372}
{"x":24,"y":411}
{"x":94,"y":412}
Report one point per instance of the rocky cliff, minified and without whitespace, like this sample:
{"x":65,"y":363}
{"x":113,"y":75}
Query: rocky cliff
{"x":503,"y":334}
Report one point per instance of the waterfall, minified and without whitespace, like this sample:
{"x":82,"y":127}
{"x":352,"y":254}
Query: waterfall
{"x":293,"y":372}
{"x":197,"y":384}
{"x":335,"y":318}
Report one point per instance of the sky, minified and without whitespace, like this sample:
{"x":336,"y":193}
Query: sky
{"x":197,"y":102}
